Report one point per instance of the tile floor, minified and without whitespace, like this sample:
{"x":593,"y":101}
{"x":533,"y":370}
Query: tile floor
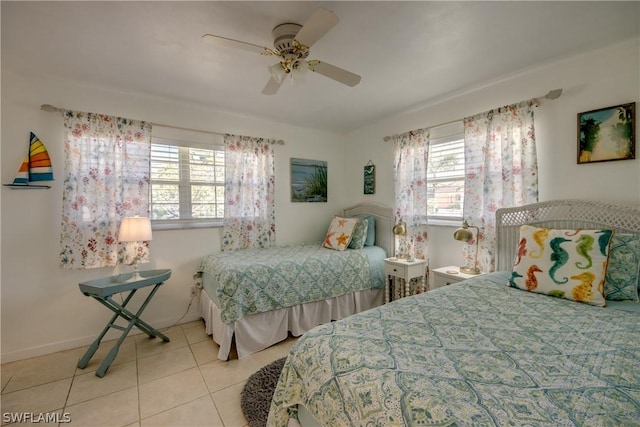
{"x":150,"y":383}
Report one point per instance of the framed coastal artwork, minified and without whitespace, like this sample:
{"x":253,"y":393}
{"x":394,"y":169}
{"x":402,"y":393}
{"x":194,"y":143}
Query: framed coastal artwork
{"x":607,"y":134}
{"x":308,"y":180}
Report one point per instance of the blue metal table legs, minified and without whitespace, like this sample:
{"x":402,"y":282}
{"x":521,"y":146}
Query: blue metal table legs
{"x":134,"y":320}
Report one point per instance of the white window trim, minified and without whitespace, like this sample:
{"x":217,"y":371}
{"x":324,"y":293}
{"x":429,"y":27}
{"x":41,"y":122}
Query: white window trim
{"x":180,"y":224}
{"x":444,"y":222}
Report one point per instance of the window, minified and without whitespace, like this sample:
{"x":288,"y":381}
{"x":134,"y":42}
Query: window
{"x":187,"y":183}
{"x":445,"y":173}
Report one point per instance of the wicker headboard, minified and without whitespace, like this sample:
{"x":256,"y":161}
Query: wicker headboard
{"x":568,"y":214}
{"x":384,"y":223}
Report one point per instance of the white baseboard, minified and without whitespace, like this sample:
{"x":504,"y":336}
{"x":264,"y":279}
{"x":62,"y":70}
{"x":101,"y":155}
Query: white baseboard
{"x":49,"y":348}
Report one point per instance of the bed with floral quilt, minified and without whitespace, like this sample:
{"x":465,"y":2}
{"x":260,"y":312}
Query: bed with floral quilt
{"x":550,"y":339}
{"x":258,"y":296}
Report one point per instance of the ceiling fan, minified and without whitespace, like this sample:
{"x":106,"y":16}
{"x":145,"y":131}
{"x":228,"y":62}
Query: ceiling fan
{"x":291,"y":43}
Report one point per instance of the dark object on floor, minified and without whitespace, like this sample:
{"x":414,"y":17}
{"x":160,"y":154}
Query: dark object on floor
{"x":255,"y":398}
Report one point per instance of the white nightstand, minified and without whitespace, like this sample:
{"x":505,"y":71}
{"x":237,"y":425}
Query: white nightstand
{"x":403,"y":271}
{"x":444,"y":276}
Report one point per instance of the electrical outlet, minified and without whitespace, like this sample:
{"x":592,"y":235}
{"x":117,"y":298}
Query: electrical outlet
{"x":193,"y":290}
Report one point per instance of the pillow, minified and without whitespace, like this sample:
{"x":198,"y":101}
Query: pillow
{"x":359,"y":234}
{"x":371,"y":229}
{"x":340,"y":233}
{"x":621,"y":278}
{"x":568,"y":264}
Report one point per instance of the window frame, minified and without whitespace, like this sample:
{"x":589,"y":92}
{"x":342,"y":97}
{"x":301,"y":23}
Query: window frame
{"x":184,"y":185}
{"x":454,"y":133}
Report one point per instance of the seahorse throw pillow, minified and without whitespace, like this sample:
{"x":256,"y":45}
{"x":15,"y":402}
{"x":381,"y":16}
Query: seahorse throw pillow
{"x":568,"y":264}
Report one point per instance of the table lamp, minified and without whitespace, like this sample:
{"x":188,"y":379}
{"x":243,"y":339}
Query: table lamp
{"x":465,"y":235}
{"x":135,"y":229}
{"x":400,"y":230}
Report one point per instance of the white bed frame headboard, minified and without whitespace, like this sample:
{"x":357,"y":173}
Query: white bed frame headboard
{"x":384,"y":223}
{"x":567,"y":214}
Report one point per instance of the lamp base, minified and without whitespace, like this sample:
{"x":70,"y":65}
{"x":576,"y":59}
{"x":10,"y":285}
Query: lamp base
{"x":135,"y":277}
{"x":470,"y":270}
{"x":405,"y":257}
{"x":136,"y":273}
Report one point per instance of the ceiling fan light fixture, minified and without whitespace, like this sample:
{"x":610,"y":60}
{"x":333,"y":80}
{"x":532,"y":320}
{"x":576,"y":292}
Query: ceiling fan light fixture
{"x":277,"y":71}
{"x":301,"y":66}
{"x":291,"y":44}
{"x":299,"y":71}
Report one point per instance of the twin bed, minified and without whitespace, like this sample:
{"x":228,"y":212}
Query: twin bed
{"x":257,"y":297}
{"x":497,"y":349}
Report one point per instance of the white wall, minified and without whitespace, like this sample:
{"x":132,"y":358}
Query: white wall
{"x":601,"y":78}
{"x":42,"y":309}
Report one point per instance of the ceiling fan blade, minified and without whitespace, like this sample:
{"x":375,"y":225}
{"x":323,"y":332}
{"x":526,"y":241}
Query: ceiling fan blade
{"x":317,"y":26}
{"x":237,"y":44}
{"x":272,"y":86}
{"x":336,"y":73}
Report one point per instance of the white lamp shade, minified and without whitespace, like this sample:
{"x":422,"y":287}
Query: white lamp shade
{"x":299,"y":71}
{"x":135,"y":229}
{"x":277,"y":72}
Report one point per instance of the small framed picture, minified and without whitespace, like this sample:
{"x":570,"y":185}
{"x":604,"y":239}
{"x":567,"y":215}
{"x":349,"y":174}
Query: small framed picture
{"x":607,"y":134}
{"x":369,"y":179}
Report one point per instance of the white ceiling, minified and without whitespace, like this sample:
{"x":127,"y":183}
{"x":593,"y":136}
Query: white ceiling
{"x":408,"y":53}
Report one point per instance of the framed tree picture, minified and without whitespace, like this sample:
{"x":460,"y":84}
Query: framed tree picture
{"x":308,"y":180}
{"x":607,"y":134}
{"x":369,"y":178}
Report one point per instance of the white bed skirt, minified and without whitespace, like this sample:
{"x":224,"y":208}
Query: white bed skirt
{"x":259,"y":331}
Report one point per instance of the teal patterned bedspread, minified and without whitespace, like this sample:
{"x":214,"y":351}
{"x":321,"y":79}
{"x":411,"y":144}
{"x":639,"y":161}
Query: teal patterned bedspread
{"x":259,"y":280}
{"x":475,"y":353}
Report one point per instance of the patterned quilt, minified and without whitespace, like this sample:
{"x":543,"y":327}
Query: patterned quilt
{"x":474,"y":353}
{"x":259,"y":280}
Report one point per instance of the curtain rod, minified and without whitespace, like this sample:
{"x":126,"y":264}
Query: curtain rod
{"x":52,"y":109}
{"x":552,"y":94}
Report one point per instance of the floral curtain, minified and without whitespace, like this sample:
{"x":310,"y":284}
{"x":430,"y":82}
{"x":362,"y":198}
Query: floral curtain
{"x":107,"y":165}
{"x":249,"y":216}
{"x":501,"y":170}
{"x":411,"y":152}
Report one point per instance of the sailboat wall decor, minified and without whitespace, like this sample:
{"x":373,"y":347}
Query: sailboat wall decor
{"x":36,"y":167}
